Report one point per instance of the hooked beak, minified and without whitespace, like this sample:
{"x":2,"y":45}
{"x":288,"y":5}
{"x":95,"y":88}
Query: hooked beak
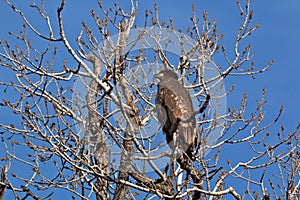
{"x":158,"y":75}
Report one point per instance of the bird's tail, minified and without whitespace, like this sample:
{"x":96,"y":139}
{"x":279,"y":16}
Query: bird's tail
{"x":187,"y":136}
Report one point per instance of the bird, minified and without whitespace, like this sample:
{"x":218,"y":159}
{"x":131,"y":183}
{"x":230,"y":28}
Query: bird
{"x":174,"y":109}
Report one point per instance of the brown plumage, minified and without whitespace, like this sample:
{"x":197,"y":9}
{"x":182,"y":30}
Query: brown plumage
{"x":174,"y":107}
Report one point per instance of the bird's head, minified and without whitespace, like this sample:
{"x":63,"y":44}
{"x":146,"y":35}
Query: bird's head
{"x":166,"y":74}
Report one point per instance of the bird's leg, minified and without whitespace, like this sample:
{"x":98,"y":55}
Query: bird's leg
{"x":175,"y":126}
{"x":166,"y":168}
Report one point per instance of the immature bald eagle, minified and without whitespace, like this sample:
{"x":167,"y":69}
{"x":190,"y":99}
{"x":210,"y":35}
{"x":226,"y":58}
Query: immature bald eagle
{"x":174,"y":108}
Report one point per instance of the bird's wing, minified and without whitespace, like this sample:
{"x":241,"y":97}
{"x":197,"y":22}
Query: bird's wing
{"x":178,"y":105}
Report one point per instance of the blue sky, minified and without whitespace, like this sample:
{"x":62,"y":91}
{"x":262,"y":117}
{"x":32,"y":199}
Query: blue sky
{"x":278,"y":38}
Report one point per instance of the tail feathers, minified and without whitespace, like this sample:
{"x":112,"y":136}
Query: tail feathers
{"x":187,"y":136}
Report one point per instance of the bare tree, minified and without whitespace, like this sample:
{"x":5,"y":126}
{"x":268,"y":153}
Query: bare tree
{"x":100,"y":137}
